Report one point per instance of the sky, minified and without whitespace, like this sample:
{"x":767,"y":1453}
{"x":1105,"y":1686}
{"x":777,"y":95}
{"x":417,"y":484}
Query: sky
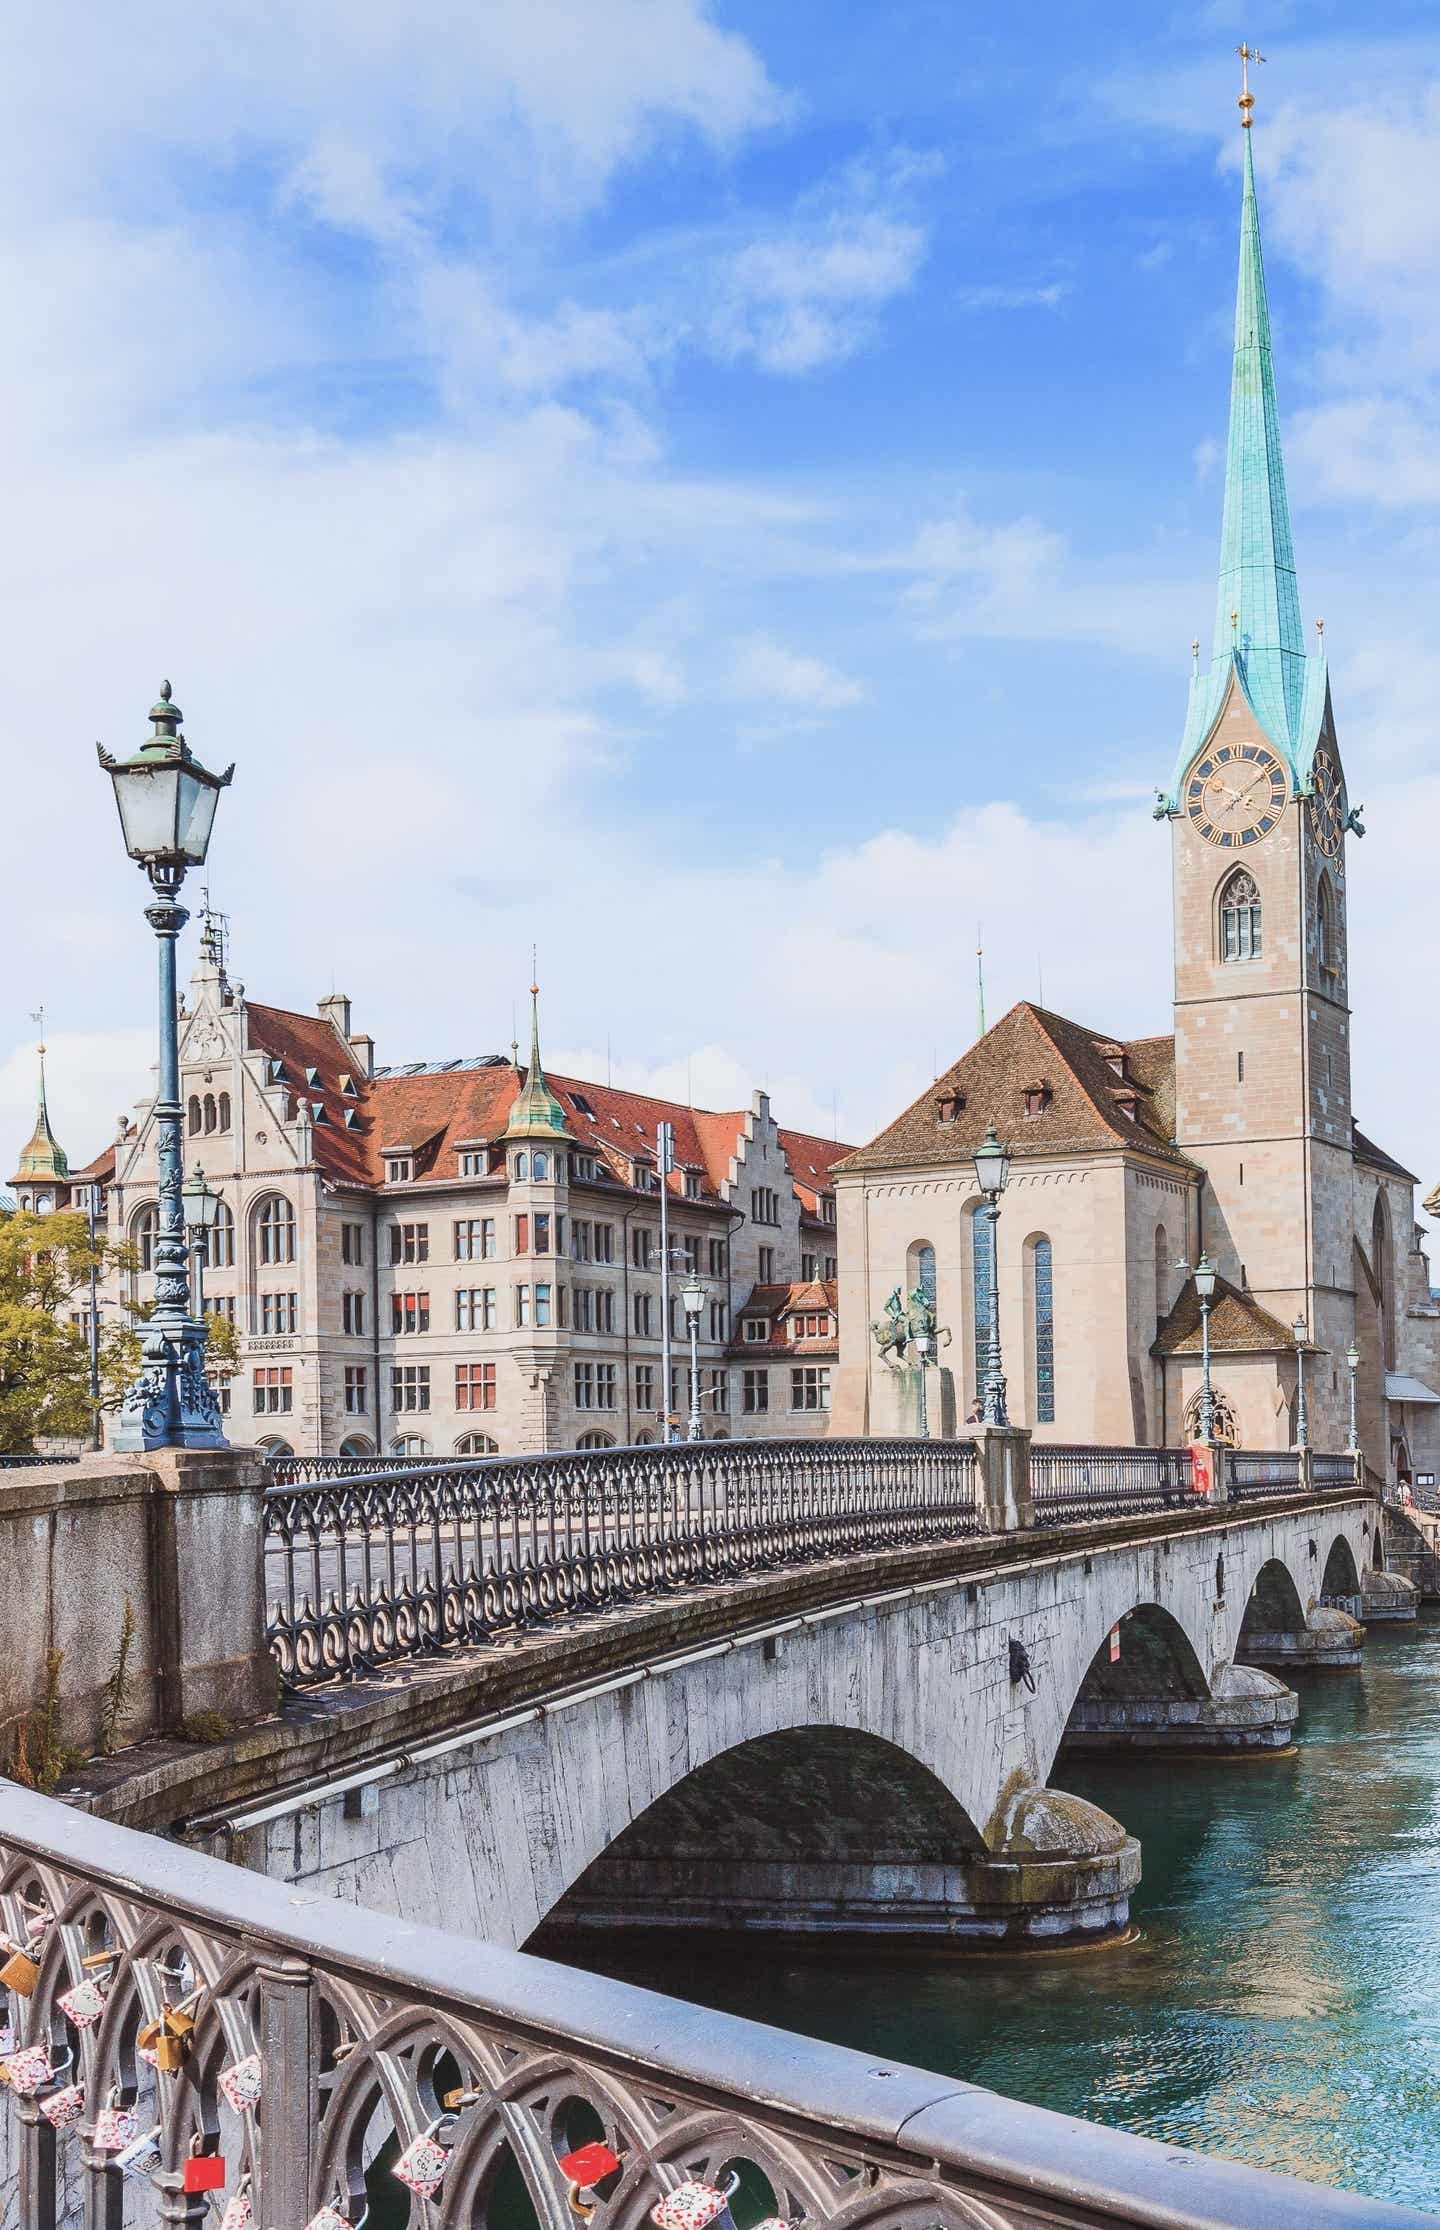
{"x":721,"y":494}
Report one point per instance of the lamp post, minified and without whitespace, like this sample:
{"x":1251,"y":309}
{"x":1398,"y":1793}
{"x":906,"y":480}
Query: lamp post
{"x":1302,"y":1429}
{"x":924,"y":1344}
{"x":1205,"y":1274}
{"x":693,"y":1296}
{"x":167,"y":802}
{"x":664,"y":1164}
{"x":992,"y":1168}
{"x":202,"y":1213}
{"x":1352,"y":1364}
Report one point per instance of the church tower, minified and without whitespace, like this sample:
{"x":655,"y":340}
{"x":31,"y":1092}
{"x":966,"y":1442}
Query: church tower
{"x":1259,"y":818}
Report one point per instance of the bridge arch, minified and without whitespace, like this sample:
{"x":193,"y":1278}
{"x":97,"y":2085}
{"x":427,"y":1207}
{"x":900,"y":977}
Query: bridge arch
{"x":1340,"y":1574}
{"x":1274,"y":1604}
{"x":1154,"y":1656}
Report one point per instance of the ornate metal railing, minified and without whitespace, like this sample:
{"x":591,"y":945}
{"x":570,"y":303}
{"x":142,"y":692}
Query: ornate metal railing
{"x":382,"y":1565}
{"x":30,"y":1463}
{"x":1070,"y":1485}
{"x":188,"y":2034}
{"x":1332,"y":1471}
{"x":1257,"y":1471}
{"x":296,"y":1471}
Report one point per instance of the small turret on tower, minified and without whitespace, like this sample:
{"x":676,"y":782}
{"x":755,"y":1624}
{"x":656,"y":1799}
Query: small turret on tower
{"x":44,"y":1167}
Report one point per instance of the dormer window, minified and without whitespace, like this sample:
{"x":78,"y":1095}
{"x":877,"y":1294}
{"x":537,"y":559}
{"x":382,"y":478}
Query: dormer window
{"x":472,"y":1164}
{"x":827,"y":1207}
{"x":581,"y":1105}
{"x":757,"y":1328}
{"x":949,"y":1107}
{"x":644,"y":1176}
{"x":692,"y":1184}
{"x":352,"y":1118}
{"x":399,"y":1169}
{"x":274,"y":1070}
{"x":1037,"y":1097}
{"x":584,"y":1166}
{"x":1126,"y":1102}
{"x":312,"y":1078}
{"x":348,"y":1085}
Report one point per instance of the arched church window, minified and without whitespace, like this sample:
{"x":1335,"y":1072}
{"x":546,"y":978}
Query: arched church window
{"x":1042,"y":1276}
{"x":982,"y":1292}
{"x":224,"y":1111}
{"x":1240,"y":917}
{"x":194,"y":1115}
{"x":1382,"y":1262}
{"x":1327,"y":944}
{"x":920,"y":1269}
{"x":1162,"y":1273}
{"x":1222,"y":1416}
{"x":209,"y":1111}
{"x":142,"y":1237}
{"x":217,"y":1245}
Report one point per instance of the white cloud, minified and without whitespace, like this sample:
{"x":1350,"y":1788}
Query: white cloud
{"x":766,"y":669}
{"x":1015,"y":297}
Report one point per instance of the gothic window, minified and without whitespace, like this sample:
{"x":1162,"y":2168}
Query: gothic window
{"x":194,"y":1116}
{"x":1382,"y":1262}
{"x":1327,"y":943}
{"x":920,"y":1270}
{"x":142,"y":1237}
{"x":224,"y":1111}
{"x":275,"y":1231}
{"x":596,"y":1440}
{"x":1222,"y":1415}
{"x":540,"y":1167}
{"x":1240,"y":918}
{"x":1162,"y":1273}
{"x":1043,"y":1302}
{"x":476,"y":1444}
{"x":982,"y":1292}
{"x":210,"y":1117}
{"x":217,"y":1246}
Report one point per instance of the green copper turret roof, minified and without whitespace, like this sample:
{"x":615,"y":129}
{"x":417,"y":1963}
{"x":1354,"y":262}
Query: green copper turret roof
{"x":1258,"y":636}
{"x":44,"y":1157}
{"x":537,"y":1113}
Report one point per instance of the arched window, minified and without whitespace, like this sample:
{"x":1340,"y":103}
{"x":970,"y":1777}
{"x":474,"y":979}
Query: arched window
{"x":1162,"y":1273}
{"x":1382,"y":1262}
{"x":409,"y":1444}
{"x":142,"y":1237}
{"x":982,"y":1292}
{"x":217,"y":1247}
{"x":194,"y":1115}
{"x":540,"y":1167}
{"x":270,"y":1449}
{"x":596,"y":1440}
{"x":1327,"y":940}
{"x":920,"y":1269}
{"x":522,"y":1166}
{"x":476,"y":1444}
{"x":209,"y":1111}
{"x":1222,"y":1415}
{"x":1240,"y":918}
{"x":275,"y":1231}
{"x":356,"y":1445}
{"x":224,"y":1111}
{"x":1042,"y":1327}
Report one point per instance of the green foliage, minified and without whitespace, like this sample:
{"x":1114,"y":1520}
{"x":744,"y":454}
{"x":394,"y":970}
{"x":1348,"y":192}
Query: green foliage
{"x":205,"y":1726}
{"x":117,"y":1686}
{"x":222,"y":1348}
{"x":40,"y":1758}
{"x":45,"y":1264}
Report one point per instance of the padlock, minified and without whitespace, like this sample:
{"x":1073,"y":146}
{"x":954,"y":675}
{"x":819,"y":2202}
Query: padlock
{"x":20,"y":1972}
{"x":30,"y":2069}
{"x":84,"y":2004}
{"x":203,"y":2172}
{"x":65,"y":2106}
{"x":582,"y":2169}
{"x":115,"y":2127}
{"x":240,"y":2083}
{"x":140,"y":2155}
{"x":239,"y":2210}
{"x":168,"y":2038}
{"x":423,"y":2163}
{"x":693,"y":2205}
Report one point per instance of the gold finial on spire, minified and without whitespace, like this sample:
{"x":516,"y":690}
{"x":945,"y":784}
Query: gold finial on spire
{"x":1234,"y":621}
{"x":1247,"y":54}
{"x":1320,"y":631}
{"x":1195,"y":655}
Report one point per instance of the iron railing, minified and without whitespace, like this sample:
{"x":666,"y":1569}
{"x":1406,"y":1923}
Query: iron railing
{"x":30,"y":1463}
{"x":366,"y":2036}
{"x":1073,"y":1484}
{"x":1333,"y":1471}
{"x":1262,"y":1471}
{"x":297,"y":1471}
{"x":380,"y":1565}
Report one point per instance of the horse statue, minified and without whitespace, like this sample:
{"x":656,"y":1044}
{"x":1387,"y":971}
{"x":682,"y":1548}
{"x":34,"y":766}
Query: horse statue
{"x":891,"y":1332}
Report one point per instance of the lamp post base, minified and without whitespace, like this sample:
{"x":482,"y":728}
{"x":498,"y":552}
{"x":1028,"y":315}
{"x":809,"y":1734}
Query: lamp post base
{"x":172,"y":1403}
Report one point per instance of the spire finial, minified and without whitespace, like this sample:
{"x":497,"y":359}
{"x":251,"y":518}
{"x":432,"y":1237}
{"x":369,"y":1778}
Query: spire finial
{"x":1195,"y":655}
{"x":980,"y":976}
{"x":1247,"y":54}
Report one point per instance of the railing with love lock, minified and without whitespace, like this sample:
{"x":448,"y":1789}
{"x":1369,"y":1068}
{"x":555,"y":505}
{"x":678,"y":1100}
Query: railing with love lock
{"x":371,"y":1566}
{"x":194,"y":2043}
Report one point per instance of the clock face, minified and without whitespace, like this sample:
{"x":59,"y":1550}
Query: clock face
{"x":1327,"y":807}
{"x":1236,"y":794}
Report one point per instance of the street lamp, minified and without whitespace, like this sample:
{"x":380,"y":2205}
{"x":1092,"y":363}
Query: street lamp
{"x":992,"y":1168}
{"x":1352,"y":1364}
{"x":1205,"y":1286}
{"x":166,"y":801}
{"x":693,"y":1295}
{"x":1302,"y":1432}
{"x":202,"y":1213}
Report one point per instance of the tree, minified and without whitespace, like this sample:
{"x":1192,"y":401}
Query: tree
{"x":45,"y":1265}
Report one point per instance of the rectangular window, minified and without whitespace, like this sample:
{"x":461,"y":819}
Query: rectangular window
{"x":409,"y":1312}
{"x":719,"y":1320}
{"x":274,"y":1391}
{"x":542,"y":1304}
{"x":606,"y":1385}
{"x":717,"y":1258}
{"x":356,"y":1397}
{"x":468,"y":1242}
{"x":643,"y":1325}
{"x":829,"y":1270}
{"x":642,"y":1244}
{"x":474,"y":1385}
{"x":757,"y":1329}
{"x":522,"y":1305}
{"x":827,"y":1207}
{"x":754,"y":1392}
{"x":542,"y":1234}
{"x":605,"y":1309}
{"x":352,"y":1242}
{"x":604,"y":1242}
{"x":1239,"y":1068}
{"x":352,"y":1313}
{"x":766,"y":1271}
{"x":692,"y":1257}
{"x":645,"y":1388}
{"x":807,"y":1268}
{"x":410,"y":1386}
{"x":216,"y":1304}
{"x":580,"y":1241}
{"x":584,"y":1309}
{"x":522,"y":1234}
{"x":692,"y":1184}
{"x":764,"y":1204}
{"x":584,"y":1385}
{"x":279,"y":1312}
{"x":409,"y":1242}
{"x":397,"y":1170}
{"x":810,"y":1387}
{"x":475,"y":1308}
{"x":720,"y":1392}
{"x":472,"y":1165}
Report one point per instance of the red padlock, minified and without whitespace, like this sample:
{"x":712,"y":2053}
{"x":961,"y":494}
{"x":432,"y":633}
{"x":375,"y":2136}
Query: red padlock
{"x":203,"y":2172}
{"x":588,"y":2165}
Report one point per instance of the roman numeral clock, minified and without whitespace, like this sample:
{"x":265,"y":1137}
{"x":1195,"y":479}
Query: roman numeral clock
{"x":1236,"y":794}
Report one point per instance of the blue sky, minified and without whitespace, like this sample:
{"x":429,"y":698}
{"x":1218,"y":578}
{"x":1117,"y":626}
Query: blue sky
{"x":723,"y":492}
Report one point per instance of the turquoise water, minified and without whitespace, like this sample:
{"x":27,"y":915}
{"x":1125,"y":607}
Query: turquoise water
{"x":1281,"y":2002}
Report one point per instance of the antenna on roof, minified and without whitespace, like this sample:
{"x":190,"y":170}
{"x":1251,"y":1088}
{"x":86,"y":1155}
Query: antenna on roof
{"x":215,"y":935}
{"x":980,"y":976}
{"x":1040,"y":980}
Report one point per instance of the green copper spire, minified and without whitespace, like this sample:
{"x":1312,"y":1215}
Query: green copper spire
{"x":536,"y":1113}
{"x":1257,"y":611}
{"x":44,"y":1157}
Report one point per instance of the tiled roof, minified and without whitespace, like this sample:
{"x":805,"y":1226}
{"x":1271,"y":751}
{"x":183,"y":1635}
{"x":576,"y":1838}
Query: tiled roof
{"x":811,"y":1161}
{"x":100,"y":1171}
{"x":306,"y":1042}
{"x":1085,"y":1107}
{"x":1375,"y":1157}
{"x":1238,"y":1325}
{"x":778,"y":1303}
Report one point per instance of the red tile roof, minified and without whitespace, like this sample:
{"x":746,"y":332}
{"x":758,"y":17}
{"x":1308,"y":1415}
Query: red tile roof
{"x":1238,"y":1325}
{"x":778,"y":1304}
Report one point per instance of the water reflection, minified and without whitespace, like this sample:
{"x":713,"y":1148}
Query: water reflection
{"x":1282,"y":2000}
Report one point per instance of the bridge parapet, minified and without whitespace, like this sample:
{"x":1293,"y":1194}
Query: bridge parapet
{"x":370,"y":2033}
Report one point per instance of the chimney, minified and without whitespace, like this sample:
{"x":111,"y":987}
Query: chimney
{"x":336,"y":1009}
{"x":365,"y":1053}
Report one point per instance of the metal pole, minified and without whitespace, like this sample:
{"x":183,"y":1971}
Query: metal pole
{"x":922,"y":1349}
{"x":97,"y":1433}
{"x":1302,"y":1428}
{"x":1207,"y":1398}
{"x":172,"y":1404}
{"x":665,"y":1160}
{"x":697,"y":1428}
{"x":994,"y":1408}
{"x":1354,"y":1421}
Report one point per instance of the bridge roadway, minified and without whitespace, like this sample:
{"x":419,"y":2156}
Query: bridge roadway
{"x":853,"y":1745}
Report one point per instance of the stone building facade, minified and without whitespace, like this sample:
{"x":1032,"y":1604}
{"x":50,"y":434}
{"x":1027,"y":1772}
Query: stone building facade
{"x":1232,"y":1136}
{"x":464,"y":1257}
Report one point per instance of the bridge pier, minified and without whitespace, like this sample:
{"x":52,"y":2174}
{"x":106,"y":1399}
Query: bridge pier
{"x":1247,"y":1711}
{"x":1329,"y":1641}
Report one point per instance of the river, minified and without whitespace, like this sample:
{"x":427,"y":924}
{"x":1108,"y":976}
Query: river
{"x":1281,"y":1999}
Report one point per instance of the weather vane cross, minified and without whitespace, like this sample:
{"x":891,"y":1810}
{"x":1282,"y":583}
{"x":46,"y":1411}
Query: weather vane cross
{"x":37,"y":1014}
{"x":1247,"y":54}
